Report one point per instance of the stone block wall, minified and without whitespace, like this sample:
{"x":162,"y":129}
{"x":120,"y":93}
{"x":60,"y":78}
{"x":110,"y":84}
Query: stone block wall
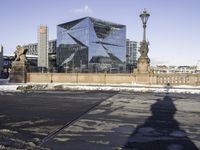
{"x":103,"y":78}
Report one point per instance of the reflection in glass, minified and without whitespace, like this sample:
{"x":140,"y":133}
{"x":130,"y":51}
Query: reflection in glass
{"x":90,"y":44}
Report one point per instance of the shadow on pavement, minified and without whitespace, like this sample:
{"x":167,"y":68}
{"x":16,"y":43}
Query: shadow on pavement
{"x":160,"y":131}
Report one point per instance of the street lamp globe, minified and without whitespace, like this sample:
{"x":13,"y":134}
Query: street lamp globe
{"x":144,"y":17}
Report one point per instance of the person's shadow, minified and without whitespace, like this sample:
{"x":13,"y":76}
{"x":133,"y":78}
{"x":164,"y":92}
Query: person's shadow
{"x":160,"y":131}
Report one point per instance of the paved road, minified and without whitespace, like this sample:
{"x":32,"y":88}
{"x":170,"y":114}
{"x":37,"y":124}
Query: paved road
{"x":25,"y":119}
{"x":138,"y":121}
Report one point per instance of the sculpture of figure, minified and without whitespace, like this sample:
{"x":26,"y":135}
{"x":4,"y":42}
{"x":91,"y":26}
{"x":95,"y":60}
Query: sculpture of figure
{"x":144,"y":49}
{"x":20,"y":54}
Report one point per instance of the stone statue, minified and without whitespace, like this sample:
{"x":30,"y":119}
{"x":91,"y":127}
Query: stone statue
{"x":20,"y":54}
{"x":144,"y":49}
{"x":18,"y":73}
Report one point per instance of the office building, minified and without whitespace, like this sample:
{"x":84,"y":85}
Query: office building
{"x":131,"y":55}
{"x":92,"y":45}
{"x":43,"y":60}
{"x":33,"y":48}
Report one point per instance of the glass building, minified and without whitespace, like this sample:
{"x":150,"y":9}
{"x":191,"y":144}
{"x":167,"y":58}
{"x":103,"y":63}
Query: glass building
{"x":90,"y":44}
{"x":131,"y":55}
{"x":33,"y":48}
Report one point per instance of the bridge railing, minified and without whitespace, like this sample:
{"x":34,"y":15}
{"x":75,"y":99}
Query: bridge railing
{"x":178,"y":79}
{"x":105,"y":78}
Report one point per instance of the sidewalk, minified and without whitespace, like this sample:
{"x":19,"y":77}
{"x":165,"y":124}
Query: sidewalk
{"x":135,"y":121}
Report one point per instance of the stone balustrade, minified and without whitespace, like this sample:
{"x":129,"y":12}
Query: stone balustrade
{"x":178,"y":79}
{"x":103,"y":78}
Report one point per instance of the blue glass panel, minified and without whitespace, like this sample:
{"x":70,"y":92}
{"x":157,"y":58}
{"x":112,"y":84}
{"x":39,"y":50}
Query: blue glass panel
{"x":88,"y":38}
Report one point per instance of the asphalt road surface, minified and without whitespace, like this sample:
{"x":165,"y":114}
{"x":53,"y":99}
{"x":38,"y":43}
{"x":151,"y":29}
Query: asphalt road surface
{"x":91,"y":120}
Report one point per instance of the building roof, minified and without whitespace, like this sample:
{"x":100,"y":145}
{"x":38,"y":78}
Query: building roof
{"x":74,"y":22}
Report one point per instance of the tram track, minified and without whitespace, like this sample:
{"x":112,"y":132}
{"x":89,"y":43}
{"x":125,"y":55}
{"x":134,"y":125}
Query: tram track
{"x":68,"y":124}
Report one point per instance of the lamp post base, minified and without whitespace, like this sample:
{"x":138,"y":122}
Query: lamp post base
{"x":143,"y":65}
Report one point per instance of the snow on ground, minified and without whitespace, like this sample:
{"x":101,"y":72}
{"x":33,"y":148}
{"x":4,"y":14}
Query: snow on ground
{"x":101,"y":87}
{"x":8,"y":88}
{"x":123,"y":87}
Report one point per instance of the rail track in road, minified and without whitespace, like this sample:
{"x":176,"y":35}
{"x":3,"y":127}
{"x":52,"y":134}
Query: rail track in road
{"x":68,"y":124}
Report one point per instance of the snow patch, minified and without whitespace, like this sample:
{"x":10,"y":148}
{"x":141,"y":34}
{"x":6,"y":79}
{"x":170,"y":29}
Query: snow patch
{"x":7,"y":131}
{"x":62,"y":139}
{"x":8,"y":88}
{"x":97,"y":111}
{"x":184,"y":89}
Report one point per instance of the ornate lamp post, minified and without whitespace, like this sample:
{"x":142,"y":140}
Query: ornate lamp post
{"x":143,"y":65}
{"x":144,"y":17}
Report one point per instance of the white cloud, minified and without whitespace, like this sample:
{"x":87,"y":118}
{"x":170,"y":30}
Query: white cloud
{"x":84,"y":9}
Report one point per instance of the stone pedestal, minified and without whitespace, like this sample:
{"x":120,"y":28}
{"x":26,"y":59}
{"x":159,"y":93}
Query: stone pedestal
{"x":142,"y":78}
{"x":18,"y":72}
{"x":143,"y":65}
{"x":143,"y":72}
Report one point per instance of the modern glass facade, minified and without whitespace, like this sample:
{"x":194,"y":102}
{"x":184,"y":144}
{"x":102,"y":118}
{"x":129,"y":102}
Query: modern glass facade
{"x":33,"y":48}
{"x":131,"y":55}
{"x":91,"y":44}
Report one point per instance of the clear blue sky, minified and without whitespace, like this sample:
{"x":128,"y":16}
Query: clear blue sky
{"x":173,"y":27}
